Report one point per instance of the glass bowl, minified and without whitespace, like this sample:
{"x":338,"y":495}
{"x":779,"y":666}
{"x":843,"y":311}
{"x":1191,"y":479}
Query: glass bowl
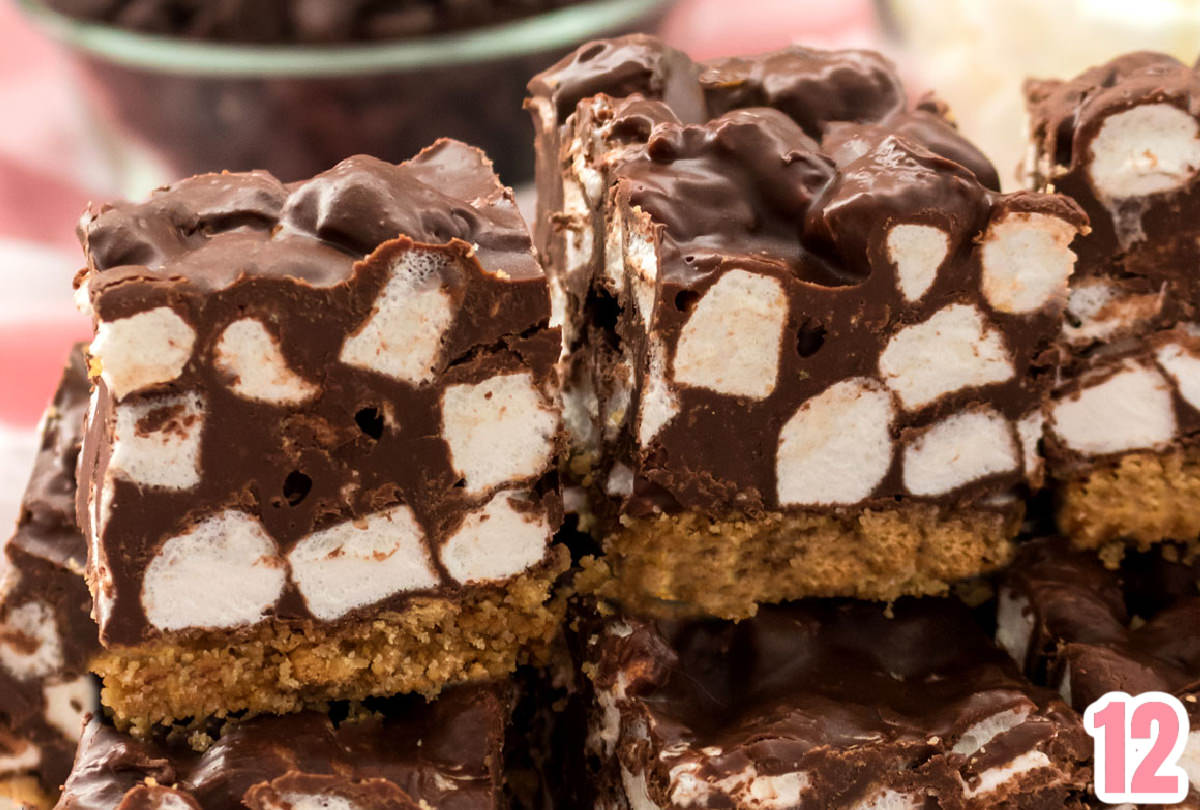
{"x":295,"y":110}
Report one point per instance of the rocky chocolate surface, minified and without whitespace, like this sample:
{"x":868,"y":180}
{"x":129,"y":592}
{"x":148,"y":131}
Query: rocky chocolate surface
{"x":779,"y":261}
{"x":1085,"y":629}
{"x":315,"y":401}
{"x":1123,"y":140}
{"x":826,"y":704}
{"x":301,"y":21}
{"x":47,"y":636}
{"x":447,"y":754}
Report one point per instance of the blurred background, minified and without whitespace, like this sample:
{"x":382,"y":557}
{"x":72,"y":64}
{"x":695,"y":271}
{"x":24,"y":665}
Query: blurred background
{"x":108,"y":98}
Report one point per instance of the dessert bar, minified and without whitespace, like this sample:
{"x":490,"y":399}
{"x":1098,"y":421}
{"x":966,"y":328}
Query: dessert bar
{"x":47,"y":636}
{"x":826,"y":704}
{"x":809,"y":340}
{"x":1123,"y":140}
{"x":321,"y":457}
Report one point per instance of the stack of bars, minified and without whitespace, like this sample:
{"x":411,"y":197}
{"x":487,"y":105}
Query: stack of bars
{"x":788,"y":464}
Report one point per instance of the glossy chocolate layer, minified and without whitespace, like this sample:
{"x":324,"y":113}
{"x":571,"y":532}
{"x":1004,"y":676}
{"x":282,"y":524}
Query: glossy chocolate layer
{"x":316,"y":415}
{"x":1085,"y":629}
{"x":780,"y":180}
{"x":827,"y":704}
{"x":447,"y":754}
{"x":47,"y":636}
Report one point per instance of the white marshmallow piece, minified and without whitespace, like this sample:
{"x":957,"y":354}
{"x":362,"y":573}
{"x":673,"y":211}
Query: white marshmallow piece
{"x":1026,"y":260}
{"x":888,"y":799}
{"x":26,"y":758}
{"x":1098,"y":311}
{"x":357,"y":563}
{"x":837,"y":447}
{"x":641,"y":257}
{"x":659,"y":404}
{"x":1014,"y":625}
{"x":956,"y":348}
{"x":1145,"y":150}
{"x":1129,"y":410}
{"x":993,"y":778}
{"x":316,"y":801}
{"x":402,"y":338}
{"x":498,"y":430}
{"x":145,"y":349}
{"x":987,"y":729}
{"x":731,"y":342}
{"x":250,"y":356}
{"x":223,"y":572}
{"x":916,"y":251}
{"x":156,"y":443}
{"x":30,"y":646}
{"x":959,"y":449}
{"x":506,"y":536}
{"x":1030,"y":429}
{"x":1183,"y":366}
{"x":69,"y":702}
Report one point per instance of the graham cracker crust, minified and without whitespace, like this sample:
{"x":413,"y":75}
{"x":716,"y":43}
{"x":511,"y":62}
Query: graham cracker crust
{"x":24,"y":791}
{"x":688,"y":564}
{"x":280,"y":668}
{"x":1139,"y":499}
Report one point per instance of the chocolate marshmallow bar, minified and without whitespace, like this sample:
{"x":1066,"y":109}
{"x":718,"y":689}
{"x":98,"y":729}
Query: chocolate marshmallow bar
{"x":444,"y":755}
{"x":47,"y":636}
{"x":809,"y":339}
{"x":1123,"y":140}
{"x":320,"y":461}
{"x":826,"y":704}
{"x":1086,"y":630}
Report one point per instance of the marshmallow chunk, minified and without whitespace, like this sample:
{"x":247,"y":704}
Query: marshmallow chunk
{"x":223,"y":572}
{"x":357,"y":563}
{"x":659,"y":404}
{"x":1026,"y":261}
{"x":732,"y":340}
{"x":145,"y":349}
{"x":1183,"y":367}
{"x":958,"y":450}
{"x":1130,"y":410}
{"x":954,"y":349}
{"x":506,"y":536}
{"x":837,"y":447}
{"x":30,"y":646}
{"x":157,"y":443}
{"x":402,"y":338}
{"x":250,"y":356}
{"x":993,"y":778}
{"x":498,"y":430}
{"x":1148,"y":149}
{"x":641,"y":256}
{"x":68,"y":702}
{"x":917,"y":251}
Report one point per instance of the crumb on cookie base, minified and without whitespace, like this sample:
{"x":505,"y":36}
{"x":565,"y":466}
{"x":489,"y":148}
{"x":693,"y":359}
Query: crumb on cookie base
{"x":23,"y":792}
{"x":280,"y":668}
{"x":1139,"y":498}
{"x":688,"y":564}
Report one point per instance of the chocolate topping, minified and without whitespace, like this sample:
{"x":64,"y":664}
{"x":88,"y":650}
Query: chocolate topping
{"x":445,"y":755}
{"x":43,"y":566}
{"x":840,"y":698}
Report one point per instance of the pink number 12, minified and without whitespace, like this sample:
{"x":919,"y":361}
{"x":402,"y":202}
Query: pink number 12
{"x":1148,"y":731}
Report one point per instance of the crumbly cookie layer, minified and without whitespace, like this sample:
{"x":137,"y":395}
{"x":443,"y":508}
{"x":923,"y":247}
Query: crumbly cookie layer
{"x":688,"y":564}
{"x":279,"y":669}
{"x":1140,"y":499}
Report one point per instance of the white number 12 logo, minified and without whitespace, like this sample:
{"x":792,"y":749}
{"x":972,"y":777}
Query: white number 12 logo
{"x":1138,"y":741}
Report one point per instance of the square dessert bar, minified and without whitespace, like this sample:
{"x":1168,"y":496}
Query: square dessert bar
{"x":1123,"y":140}
{"x":47,"y":636}
{"x":810,"y":337}
{"x":826,"y":704}
{"x":321,"y":457}
{"x":1084,"y":629}
{"x":412,"y":755}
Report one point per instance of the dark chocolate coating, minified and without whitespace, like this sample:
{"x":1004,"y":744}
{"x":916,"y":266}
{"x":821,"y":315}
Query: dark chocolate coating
{"x":446,"y":755}
{"x":853,"y":696}
{"x":1084,"y":626}
{"x":44,"y":562}
{"x":310,"y":260}
{"x":795,"y":168}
